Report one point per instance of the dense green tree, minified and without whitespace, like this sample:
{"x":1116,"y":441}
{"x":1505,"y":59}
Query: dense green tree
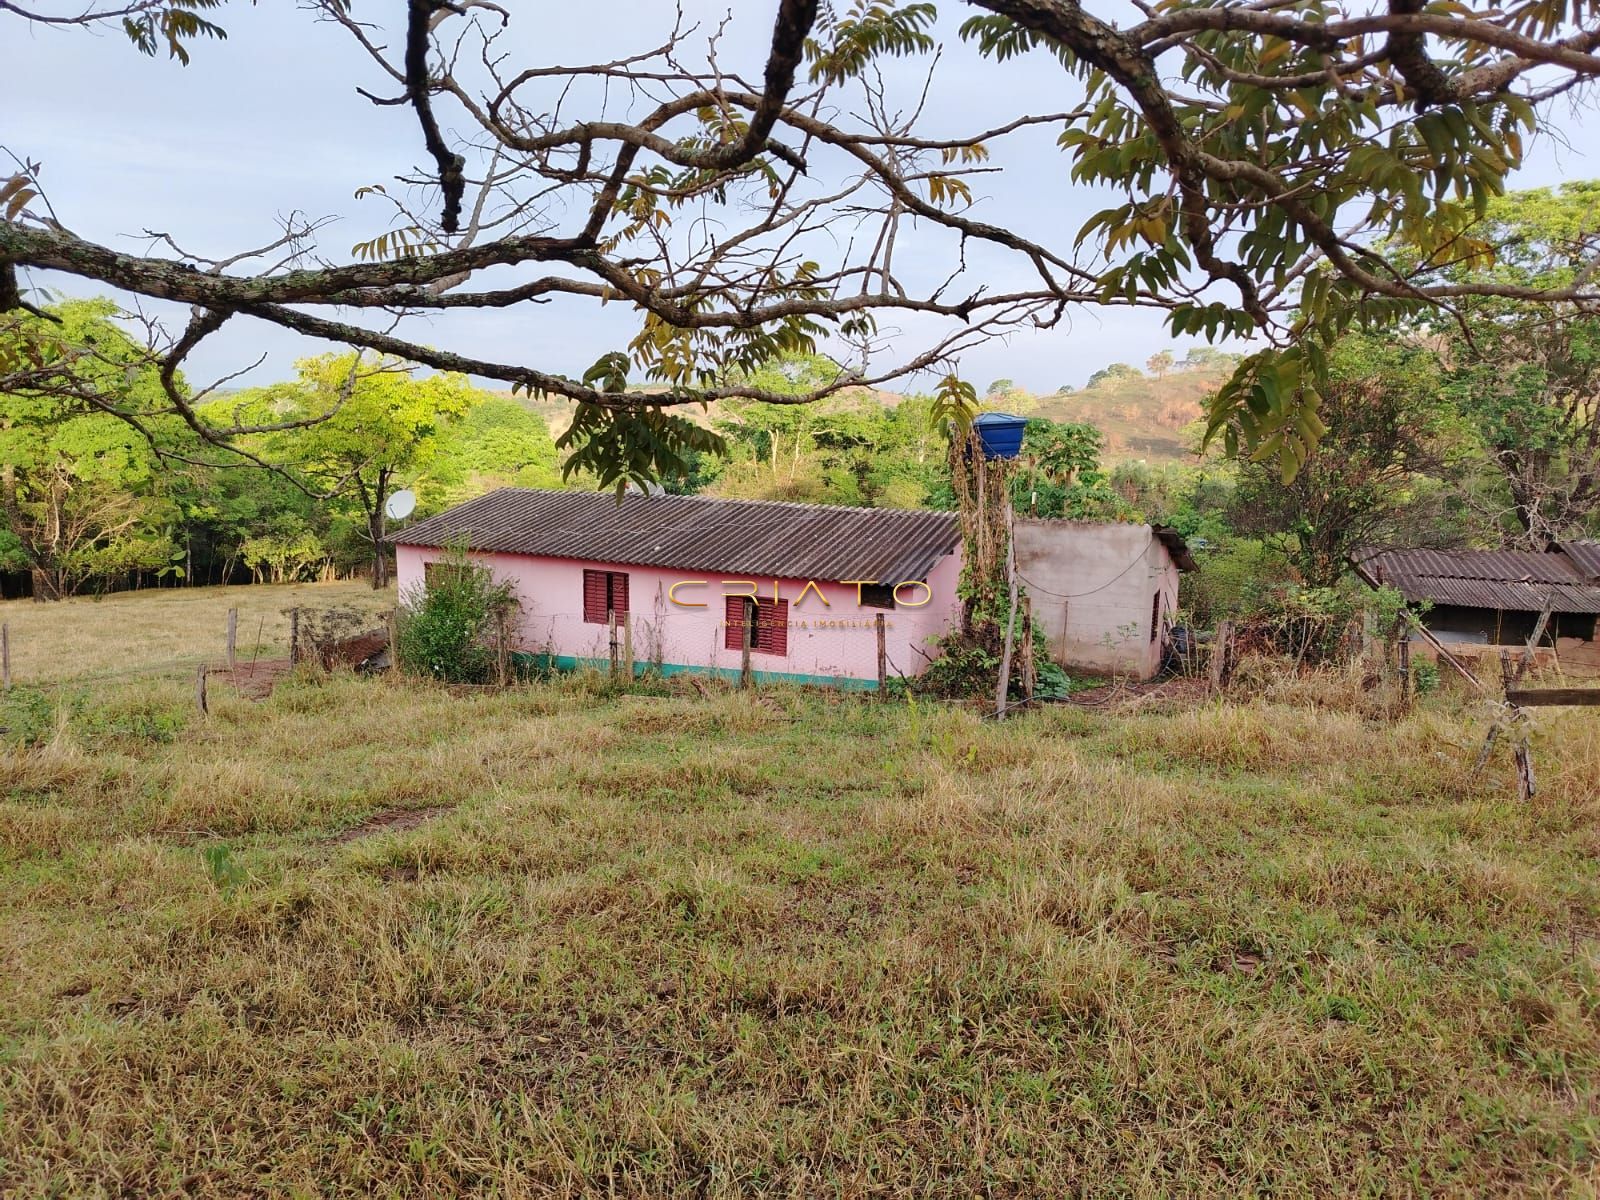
{"x":781,"y":436}
{"x":497,"y":443}
{"x":384,"y":428}
{"x":80,"y":490}
{"x":237,"y":514}
{"x":1527,"y":378}
{"x":1113,"y":373}
{"x":1059,"y":473}
{"x":1380,"y":476}
{"x":1208,"y":358}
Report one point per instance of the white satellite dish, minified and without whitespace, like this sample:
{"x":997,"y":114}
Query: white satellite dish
{"x":400,"y":505}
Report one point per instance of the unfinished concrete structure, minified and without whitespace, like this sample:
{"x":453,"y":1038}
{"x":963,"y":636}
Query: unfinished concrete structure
{"x":1104,"y":595}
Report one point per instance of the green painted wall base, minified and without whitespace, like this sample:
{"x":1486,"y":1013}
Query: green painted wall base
{"x":567,"y":662}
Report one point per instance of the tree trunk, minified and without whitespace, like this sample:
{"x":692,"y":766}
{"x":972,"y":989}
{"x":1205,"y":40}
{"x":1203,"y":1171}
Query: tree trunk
{"x":47,"y":584}
{"x":43,"y":587}
{"x":372,"y":505}
{"x":380,"y":561}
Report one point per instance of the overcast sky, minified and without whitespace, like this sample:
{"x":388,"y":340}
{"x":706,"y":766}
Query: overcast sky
{"x":268,"y":122}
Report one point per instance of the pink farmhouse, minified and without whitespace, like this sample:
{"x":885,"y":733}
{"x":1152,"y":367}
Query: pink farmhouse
{"x":677,"y":579}
{"x":677,"y":583}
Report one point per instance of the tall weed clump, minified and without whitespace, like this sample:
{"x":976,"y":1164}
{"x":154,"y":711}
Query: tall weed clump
{"x":452,"y":626}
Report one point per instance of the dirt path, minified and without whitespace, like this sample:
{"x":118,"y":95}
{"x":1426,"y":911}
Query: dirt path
{"x":390,"y":820}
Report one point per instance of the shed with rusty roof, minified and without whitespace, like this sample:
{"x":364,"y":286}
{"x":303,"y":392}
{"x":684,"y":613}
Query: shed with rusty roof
{"x":1493,"y":597}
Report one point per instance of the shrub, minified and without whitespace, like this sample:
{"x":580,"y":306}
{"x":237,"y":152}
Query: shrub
{"x":225,"y":871}
{"x":964,"y":669}
{"x":27,"y":717}
{"x":1235,"y":581}
{"x":1425,"y":677}
{"x":448,"y":626}
{"x":967,"y":668}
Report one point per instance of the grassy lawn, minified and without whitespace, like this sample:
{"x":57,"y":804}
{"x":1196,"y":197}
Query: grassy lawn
{"x":373,"y":939}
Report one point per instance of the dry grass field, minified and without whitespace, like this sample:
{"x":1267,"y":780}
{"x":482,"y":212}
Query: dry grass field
{"x":163,"y":628}
{"x":368,"y":938}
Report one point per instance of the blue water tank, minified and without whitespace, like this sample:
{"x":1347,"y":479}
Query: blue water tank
{"x":1000,"y":434}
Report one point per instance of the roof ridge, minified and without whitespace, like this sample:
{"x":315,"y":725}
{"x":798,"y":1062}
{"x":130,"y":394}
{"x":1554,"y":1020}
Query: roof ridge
{"x":799,"y":504}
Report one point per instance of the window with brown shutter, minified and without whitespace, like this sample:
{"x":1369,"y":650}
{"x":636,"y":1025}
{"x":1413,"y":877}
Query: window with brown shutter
{"x":769,"y":622}
{"x":733,"y":621}
{"x":772,"y":627}
{"x":604,"y":592}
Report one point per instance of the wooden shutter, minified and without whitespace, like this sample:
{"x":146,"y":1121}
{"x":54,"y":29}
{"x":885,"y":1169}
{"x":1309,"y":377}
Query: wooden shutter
{"x":769,"y":633}
{"x":594,"y":597}
{"x":733,"y":625}
{"x":603,"y":592}
{"x":772,"y":627}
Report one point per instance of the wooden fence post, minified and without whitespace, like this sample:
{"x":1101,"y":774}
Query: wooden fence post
{"x":5,"y":655}
{"x":611,"y":630}
{"x":200,"y":689}
{"x":1002,"y":690}
{"x":744,"y":655}
{"x":294,"y":636}
{"x":627,"y":644}
{"x":1405,"y":669}
{"x":392,"y":620}
{"x":1029,"y":669}
{"x":883,"y":658}
{"x":233,"y":639}
{"x":1520,"y":754}
{"x":1221,"y":653}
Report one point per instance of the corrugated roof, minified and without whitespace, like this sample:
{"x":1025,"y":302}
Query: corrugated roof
{"x":1176,"y":546}
{"x":697,"y":533}
{"x":1509,"y":580}
{"x":1585,"y":556}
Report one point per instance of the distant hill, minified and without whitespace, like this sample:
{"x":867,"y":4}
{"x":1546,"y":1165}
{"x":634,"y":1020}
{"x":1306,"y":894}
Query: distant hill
{"x":1141,"y":416}
{"x":557,"y":411}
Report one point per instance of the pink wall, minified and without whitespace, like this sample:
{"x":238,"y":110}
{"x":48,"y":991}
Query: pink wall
{"x":551,"y":594}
